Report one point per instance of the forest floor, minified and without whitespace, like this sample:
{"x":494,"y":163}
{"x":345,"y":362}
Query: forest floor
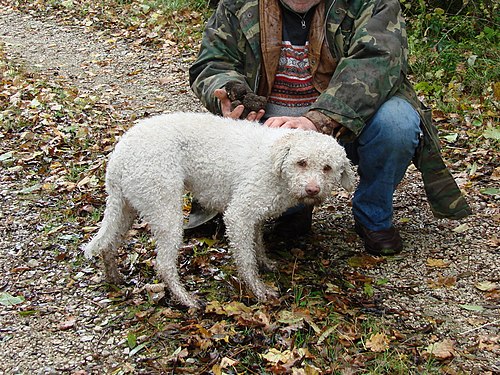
{"x":432,"y":309}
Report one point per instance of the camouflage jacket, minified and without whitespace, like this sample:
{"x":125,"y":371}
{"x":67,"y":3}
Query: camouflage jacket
{"x":358,"y":56}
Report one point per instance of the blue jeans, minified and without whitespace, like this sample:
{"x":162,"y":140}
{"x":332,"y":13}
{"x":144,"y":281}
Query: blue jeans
{"x":382,"y":152}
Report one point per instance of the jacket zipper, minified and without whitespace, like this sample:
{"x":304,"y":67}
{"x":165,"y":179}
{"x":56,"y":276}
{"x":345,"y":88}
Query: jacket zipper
{"x":337,"y":56}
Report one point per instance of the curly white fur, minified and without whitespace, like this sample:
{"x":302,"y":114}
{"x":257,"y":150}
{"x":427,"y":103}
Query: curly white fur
{"x":246,"y":171}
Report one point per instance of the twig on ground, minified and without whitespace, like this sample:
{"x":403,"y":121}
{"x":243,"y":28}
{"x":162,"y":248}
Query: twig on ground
{"x":481,"y":326}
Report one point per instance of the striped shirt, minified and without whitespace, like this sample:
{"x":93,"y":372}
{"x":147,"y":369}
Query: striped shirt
{"x":293,"y":92}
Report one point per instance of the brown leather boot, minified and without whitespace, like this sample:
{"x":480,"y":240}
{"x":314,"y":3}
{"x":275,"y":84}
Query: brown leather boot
{"x":380,"y":242}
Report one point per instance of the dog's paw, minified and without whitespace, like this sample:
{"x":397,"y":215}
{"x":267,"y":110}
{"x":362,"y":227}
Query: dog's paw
{"x":113,"y":276}
{"x":187,"y":301}
{"x":264,"y":292}
{"x":192,"y":307}
{"x":88,"y":252}
{"x":115,"y":279}
{"x":267,"y":264}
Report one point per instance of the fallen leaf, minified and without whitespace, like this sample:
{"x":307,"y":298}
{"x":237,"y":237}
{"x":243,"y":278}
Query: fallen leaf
{"x":368,"y":289}
{"x":288,"y":317}
{"x":442,"y":281}
{"x":365,"y":261}
{"x":30,"y":189}
{"x":492,"y":133}
{"x":236,"y":308}
{"x":218,"y":331}
{"x":137,"y":349}
{"x":307,"y":370}
{"x":165,"y":80}
{"x":486,"y":286}
{"x":20,"y":269}
{"x":452,"y":137}
{"x":227,"y":362}
{"x":442,"y":350}
{"x":217,"y":369}
{"x":325,"y":334}
{"x":332,"y":289}
{"x":490,"y":191}
{"x":7,"y":156}
{"x":287,"y":358}
{"x":179,"y":353}
{"x":493,"y":296}
{"x":437,"y":263}
{"x":215,"y":307}
{"x":131,"y":340}
{"x":461,"y":228}
{"x":472,"y":307}
{"x":8,"y":300}
{"x":489,"y":343}
{"x":170,"y":313}
{"x":274,"y":356}
{"x":495,"y":175}
{"x":378,"y":342}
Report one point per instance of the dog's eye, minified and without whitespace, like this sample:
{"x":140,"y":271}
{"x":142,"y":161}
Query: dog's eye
{"x":302,"y":163}
{"x":327,"y":168}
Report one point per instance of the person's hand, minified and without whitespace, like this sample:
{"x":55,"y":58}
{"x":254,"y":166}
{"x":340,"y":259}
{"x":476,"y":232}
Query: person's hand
{"x":225,"y":106}
{"x":290,"y":123}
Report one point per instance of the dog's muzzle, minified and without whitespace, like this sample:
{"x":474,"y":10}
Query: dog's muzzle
{"x":311,"y":200}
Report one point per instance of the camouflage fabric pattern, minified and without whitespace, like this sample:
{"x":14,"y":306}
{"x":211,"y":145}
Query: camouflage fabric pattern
{"x":230,"y":51}
{"x":368,"y":39}
{"x":442,"y":192}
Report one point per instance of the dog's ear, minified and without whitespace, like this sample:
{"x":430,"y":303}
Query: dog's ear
{"x":347,"y":177}
{"x":281,"y":149}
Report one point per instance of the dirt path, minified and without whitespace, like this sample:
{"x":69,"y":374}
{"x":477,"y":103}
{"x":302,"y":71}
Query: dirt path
{"x":418,"y":295}
{"x":130,"y":77}
{"x":134,"y":80}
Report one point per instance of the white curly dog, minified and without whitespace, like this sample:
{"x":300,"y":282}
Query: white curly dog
{"x":246,"y":171}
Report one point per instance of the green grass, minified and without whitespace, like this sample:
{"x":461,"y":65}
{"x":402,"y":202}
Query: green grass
{"x":179,"y":5}
{"x":454,"y":65}
{"x":454,"y":54}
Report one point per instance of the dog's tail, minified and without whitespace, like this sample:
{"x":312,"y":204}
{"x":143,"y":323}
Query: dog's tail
{"x":118,"y":217}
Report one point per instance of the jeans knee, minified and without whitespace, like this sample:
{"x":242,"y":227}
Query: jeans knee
{"x":396,"y":124}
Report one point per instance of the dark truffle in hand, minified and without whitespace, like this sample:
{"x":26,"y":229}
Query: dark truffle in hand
{"x":236,"y":90}
{"x":239,"y":94}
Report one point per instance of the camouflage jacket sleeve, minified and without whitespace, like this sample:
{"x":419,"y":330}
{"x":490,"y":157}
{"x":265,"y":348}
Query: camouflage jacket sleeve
{"x":371,"y":48}
{"x":224,"y":53}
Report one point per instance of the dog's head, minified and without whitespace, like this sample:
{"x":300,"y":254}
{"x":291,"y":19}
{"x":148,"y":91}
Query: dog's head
{"x":312,"y":164}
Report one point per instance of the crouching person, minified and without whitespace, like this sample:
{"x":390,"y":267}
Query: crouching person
{"x":338,"y":68}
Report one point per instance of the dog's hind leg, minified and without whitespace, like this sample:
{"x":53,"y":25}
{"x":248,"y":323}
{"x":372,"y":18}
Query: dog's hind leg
{"x":166,"y":219}
{"x":118,"y":217}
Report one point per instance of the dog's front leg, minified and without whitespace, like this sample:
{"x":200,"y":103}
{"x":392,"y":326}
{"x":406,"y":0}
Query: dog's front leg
{"x":260,"y":250}
{"x":241,"y":232}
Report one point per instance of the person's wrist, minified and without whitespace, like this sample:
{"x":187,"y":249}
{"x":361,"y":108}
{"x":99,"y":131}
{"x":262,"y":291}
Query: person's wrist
{"x":308,"y":124}
{"x":323,"y":123}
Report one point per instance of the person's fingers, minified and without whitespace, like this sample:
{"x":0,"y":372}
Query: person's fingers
{"x":288,"y":122}
{"x":273,"y":122}
{"x":221,"y":94}
{"x":236,"y":113}
{"x":225,"y":103}
{"x":251,"y":116}
{"x":260,"y":114}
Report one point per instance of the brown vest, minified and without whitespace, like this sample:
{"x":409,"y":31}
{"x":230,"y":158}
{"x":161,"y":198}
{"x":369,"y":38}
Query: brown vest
{"x":321,"y":60}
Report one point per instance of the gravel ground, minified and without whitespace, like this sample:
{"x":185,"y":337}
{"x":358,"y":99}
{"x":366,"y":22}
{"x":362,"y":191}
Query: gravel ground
{"x":415,"y":296}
